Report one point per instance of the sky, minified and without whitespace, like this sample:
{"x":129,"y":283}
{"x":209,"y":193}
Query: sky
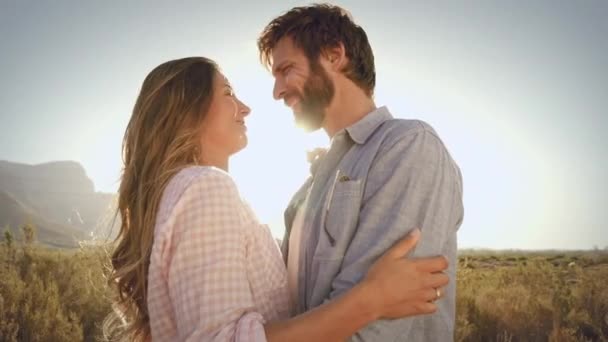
{"x":516,"y":90}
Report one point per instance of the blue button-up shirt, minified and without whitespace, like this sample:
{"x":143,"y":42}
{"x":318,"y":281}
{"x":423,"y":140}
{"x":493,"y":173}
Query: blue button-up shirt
{"x":381,"y":178}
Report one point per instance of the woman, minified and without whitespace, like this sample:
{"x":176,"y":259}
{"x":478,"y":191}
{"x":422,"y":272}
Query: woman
{"x":192,"y":262}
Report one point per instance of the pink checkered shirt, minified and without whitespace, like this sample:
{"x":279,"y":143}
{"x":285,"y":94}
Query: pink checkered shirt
{"x":216,"y":273}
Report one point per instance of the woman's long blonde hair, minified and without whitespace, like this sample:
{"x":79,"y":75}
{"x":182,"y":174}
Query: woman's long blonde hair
{"x":160,"y":140}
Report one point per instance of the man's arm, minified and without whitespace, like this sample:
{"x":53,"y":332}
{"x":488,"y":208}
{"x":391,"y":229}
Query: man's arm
{"x":412,"y":183}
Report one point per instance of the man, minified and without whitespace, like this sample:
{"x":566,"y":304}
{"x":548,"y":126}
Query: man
{"x":380,"y":178}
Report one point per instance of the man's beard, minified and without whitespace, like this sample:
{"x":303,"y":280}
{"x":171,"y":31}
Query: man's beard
{"x":318,"y":91}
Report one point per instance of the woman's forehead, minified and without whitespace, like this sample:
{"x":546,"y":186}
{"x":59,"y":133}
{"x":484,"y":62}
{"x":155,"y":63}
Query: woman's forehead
{"x":221,"y":79}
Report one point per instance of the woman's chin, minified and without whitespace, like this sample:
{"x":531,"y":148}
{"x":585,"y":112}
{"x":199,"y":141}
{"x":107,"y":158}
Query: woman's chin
{"x":242,"y":143}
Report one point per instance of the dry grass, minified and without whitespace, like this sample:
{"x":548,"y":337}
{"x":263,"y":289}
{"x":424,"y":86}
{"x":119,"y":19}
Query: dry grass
{"x":543,"y":296}
{"x":51,"y":295}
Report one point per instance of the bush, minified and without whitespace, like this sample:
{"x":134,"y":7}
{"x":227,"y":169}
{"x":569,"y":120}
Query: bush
{"x":60,"y":295}
{"x":51,"y":295}
{"x":532,"y":302}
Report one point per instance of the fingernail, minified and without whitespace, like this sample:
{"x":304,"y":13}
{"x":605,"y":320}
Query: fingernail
{"x":415,"y":232}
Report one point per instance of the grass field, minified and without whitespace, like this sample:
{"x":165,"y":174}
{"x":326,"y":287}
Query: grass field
{"x":54,"y":295}
{"x":532,"y":296}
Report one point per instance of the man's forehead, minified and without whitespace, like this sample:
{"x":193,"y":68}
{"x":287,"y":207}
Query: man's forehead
{"x":284,"y":51}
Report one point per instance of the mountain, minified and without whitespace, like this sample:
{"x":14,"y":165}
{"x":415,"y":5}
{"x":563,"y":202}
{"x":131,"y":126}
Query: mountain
{"x":14,"y":214}
{"x":58,"y":198}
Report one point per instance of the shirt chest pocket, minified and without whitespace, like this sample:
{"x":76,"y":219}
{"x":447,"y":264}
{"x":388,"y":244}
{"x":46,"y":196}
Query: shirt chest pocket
{"x":339,"y":219}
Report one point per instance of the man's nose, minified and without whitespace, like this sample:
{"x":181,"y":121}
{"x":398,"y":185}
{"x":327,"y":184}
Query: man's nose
{"x":278,"y":92}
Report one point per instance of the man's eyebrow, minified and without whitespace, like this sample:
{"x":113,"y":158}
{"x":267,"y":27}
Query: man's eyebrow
{"x":281,"y":66}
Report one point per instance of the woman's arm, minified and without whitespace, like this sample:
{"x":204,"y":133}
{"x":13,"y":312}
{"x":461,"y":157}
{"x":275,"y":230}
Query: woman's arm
{"x":394,"y":287}
{"x":204,"y":265}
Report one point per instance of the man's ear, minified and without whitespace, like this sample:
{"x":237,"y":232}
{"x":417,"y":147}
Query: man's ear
{"x":335,"y":57}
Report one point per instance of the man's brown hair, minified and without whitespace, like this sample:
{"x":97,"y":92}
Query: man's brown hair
{"x":318,"y":27}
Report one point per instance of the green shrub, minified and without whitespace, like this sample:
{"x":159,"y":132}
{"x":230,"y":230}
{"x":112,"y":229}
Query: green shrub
{"x":51,"y":295}
{"x":60,"y":295}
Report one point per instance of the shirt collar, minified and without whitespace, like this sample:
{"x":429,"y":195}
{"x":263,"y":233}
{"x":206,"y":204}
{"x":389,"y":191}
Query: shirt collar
{"x":361,"y":130}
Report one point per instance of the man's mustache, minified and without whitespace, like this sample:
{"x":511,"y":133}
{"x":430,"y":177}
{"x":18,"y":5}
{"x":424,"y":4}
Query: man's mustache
{"x":289,"y":96}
